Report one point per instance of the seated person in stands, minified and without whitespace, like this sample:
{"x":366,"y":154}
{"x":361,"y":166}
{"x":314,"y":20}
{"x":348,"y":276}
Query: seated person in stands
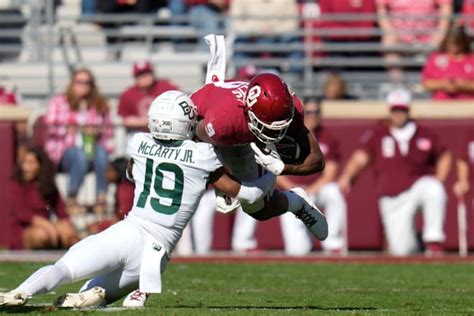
{"x":38,"y":216}
{"x":449,"y":72}
{"x":419,"y":23}
{"x":411,"y":165}
{"x":135,"y":100}
{"x":80,"y":136}
{"x":335,"y":88}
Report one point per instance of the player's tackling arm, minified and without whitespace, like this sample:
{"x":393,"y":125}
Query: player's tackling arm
{"x":313,"y":163}
{"x":202,"y":134}
{"x":248,"y":192}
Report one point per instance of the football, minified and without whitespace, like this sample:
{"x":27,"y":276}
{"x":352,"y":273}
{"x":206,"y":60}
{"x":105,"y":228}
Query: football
{"x":292,"y":151}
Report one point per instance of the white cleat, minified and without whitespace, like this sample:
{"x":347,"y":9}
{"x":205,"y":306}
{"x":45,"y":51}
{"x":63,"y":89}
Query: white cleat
{"x":311,"y":216}
{"x":13,"y":298}
{"x":135,"y":299}
{"x":89,"y":298}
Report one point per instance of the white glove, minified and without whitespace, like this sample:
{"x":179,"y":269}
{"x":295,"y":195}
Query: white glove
{"x":271,"y":162}
{"x":225,"y":204}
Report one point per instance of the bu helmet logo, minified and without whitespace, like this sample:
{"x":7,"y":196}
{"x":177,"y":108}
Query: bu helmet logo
{"x":187,"y":109}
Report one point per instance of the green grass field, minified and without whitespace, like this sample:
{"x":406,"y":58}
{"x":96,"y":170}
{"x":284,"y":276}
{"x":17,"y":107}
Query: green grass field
{"x":287,"y":289}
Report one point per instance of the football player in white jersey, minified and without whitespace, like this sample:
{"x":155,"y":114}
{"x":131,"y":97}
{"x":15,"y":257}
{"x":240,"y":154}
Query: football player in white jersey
{"x":171,"y":173}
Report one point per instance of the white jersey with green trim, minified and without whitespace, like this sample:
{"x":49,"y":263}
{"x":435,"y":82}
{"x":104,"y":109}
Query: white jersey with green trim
{"x":170,"y":179}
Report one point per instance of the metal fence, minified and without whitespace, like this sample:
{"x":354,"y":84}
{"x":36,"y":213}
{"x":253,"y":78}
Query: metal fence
{"x":58,"y":42}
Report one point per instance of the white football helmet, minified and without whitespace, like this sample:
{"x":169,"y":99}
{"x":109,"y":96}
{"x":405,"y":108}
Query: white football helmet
{"x":172,"y":116}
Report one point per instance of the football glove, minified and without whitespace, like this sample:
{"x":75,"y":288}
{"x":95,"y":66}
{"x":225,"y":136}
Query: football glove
{"x":225,"y":204}
{"x":271,"y":161}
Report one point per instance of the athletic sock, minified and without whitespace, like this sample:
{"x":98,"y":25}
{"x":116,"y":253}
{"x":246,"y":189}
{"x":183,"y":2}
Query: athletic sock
{"x":295,"y":202}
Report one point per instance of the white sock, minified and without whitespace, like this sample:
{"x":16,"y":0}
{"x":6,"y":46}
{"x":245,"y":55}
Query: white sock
{"x":45,"y":279}
{"x":295,"y":202}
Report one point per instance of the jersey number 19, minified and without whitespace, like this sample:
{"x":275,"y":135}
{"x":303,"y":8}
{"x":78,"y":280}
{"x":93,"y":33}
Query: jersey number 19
{"x":175,"y":194}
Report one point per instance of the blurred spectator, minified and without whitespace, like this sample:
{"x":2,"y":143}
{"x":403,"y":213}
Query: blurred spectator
{"x":465,"y":166}
{"x":124,"y":188}
{"x":208,"y":17}
{"x":148,"y":7}
{"x":468,"y":18}
{"x":8,"y":97}
{"x":135,"y":100}
{"x":323,"y":190}
{"x":80,"y":136}
{"x":349,"y":29}
{"x":130,"y":6}
{"x":266,"y":22}
{"x":39,"y":220}
{"x":335,"y":88}
{"x":412,"y":22}
{"x":411,"y":166}
{"x":449,"y":72}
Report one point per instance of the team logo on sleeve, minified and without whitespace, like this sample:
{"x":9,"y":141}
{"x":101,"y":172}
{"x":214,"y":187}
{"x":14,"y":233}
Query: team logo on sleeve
{"x":187,"y":109}
{"x":423,"y":144}
{"x":324,"y":148}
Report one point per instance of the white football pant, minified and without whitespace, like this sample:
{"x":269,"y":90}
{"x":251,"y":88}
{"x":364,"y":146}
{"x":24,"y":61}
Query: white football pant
{"x":113,"y":257}
{"x":398,"y":215}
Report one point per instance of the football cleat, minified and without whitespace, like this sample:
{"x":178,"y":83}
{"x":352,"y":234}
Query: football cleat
{"x":311,"y":216}
{"x":89,"y":298}
{"x":13,"y":298}
{"x":135,"y":299}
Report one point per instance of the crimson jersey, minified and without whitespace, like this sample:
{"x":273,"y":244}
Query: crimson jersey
{"x":221,"y":106}
{"x":396,"y":171}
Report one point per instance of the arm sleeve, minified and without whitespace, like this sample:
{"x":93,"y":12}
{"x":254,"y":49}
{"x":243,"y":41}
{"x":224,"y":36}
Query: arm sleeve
{"x":131,"y":145}
{"x":250,"y":192}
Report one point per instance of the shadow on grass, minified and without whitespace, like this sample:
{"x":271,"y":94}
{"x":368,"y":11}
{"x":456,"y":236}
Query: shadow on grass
{"x":36,"y":309}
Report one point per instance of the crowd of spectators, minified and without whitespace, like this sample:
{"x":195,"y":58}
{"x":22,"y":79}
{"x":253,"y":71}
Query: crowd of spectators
{"x":411,"y":163}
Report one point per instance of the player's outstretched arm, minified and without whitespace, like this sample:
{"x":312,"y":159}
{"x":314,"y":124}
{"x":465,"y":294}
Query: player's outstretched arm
{"x":248,"y":192}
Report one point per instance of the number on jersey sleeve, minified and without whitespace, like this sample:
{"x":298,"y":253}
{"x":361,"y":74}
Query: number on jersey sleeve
{"x":175,"y":194}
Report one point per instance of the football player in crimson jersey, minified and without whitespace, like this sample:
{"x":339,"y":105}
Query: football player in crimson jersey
{"x":235,"y":114}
